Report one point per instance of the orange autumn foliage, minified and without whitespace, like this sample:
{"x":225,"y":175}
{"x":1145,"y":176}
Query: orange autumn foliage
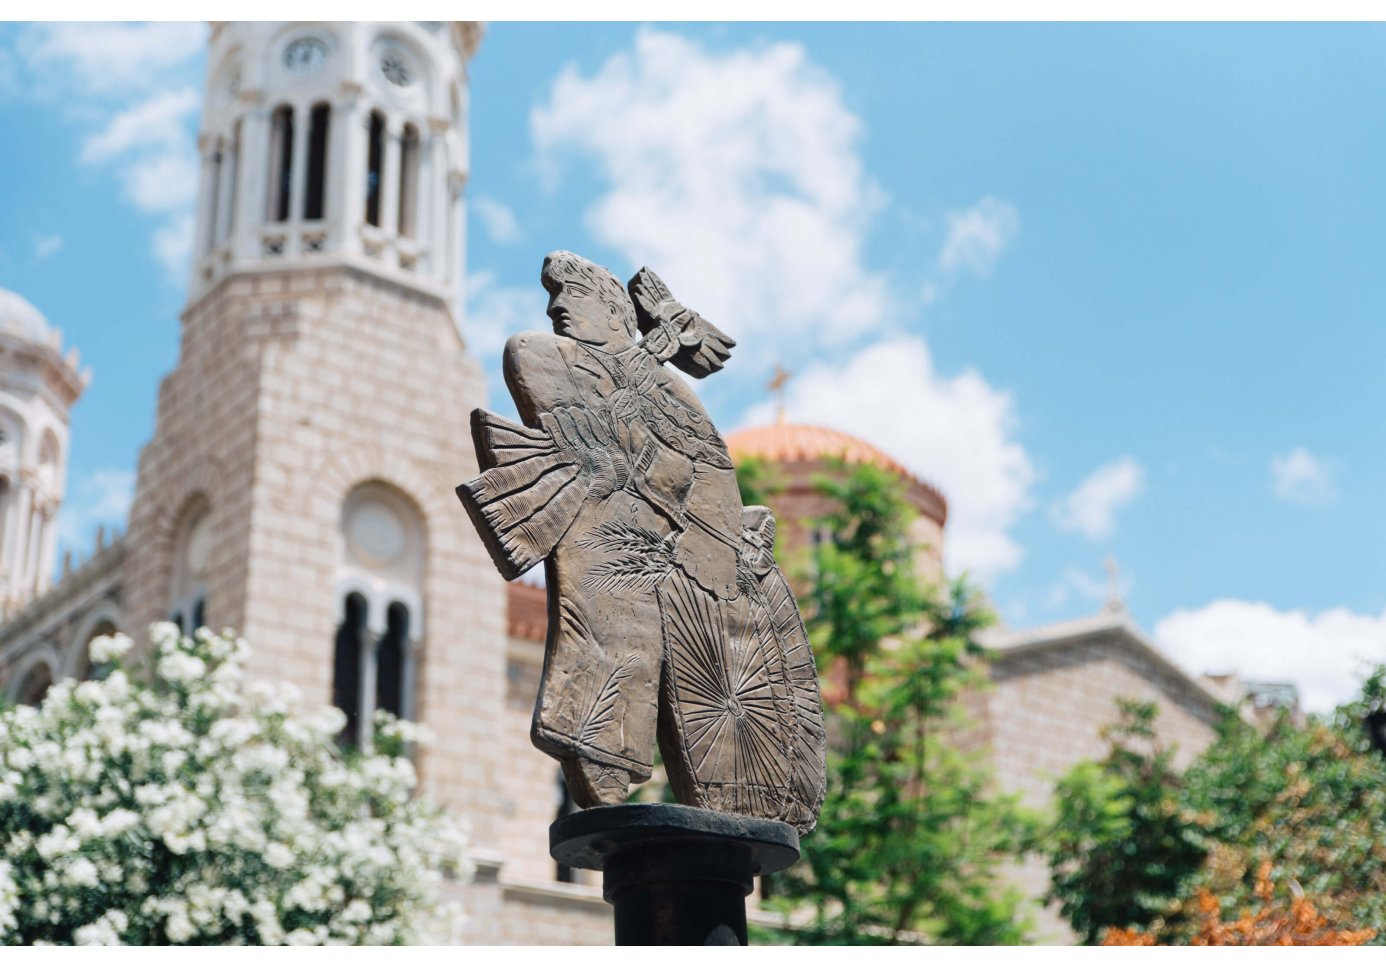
{"x":1270,"y":924}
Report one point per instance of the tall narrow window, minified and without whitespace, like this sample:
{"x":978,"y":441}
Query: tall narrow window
{"x":375,"y":158}
{"x":317,"y":162}
{"x":192,"y":552}
{"x":408,"y":181}
{"x":390,"y":659}
{"x":281,"y":163}
{"x":346,"y":667}
{"x":211,"y":229}
{"x":381,"y":574}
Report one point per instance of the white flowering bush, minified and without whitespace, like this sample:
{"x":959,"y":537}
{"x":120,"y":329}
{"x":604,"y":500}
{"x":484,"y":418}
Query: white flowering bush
{"x":186,"y":805}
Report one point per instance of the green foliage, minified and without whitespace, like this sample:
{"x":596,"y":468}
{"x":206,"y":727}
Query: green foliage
{"x":864,"y":591}
{"x":1306,"y":804}
{"x":758,"y":481}
{"x":911,"y":834}
{"x":1122,"y":848}
{"x":1310,"y":800}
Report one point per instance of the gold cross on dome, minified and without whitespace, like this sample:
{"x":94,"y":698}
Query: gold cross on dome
{"x":776,"y":386}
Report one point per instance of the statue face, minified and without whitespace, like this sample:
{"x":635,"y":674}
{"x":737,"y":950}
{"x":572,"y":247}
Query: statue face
{"x":580,"y":312}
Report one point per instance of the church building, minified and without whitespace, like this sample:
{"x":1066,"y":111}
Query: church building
{"x":298,"y":485}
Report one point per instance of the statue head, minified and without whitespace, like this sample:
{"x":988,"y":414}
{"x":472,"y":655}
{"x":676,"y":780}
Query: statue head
{"x":586,"y":302}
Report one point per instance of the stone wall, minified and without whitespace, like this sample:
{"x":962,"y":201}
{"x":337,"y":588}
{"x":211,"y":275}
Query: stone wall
{"x":1045,"y":712}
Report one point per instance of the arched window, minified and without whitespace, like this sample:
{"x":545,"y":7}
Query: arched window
{"x":375,"y":159}
{"x":390,"y":659}
{"x":346,"y":666}
{"x":80,"y":664}
{"x":381,"y":568}
{"x":281,"y":164}
{"x":192,"y":552}
{"x":317,"y":162}
{"x":408,"y":181}
{"x":34,"y":684}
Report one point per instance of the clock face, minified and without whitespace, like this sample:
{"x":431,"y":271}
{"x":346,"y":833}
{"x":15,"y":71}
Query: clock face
{"x":305,"y":55}
{"x":396,"y":69}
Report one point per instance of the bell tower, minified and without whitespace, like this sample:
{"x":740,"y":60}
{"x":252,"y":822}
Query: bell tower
{"x":299,"y":484}
{"x":334,"y":143}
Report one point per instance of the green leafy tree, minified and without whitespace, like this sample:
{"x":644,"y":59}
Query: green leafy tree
{"x":1291,"y":803}
{"x":1123,"y":848}
{"x":1309,"y":801}
{"x":911,"y":834}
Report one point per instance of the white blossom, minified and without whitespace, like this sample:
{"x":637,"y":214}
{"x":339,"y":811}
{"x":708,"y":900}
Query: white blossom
{"x":105,"y":930}
{"x":239,"y":780}
{"x":109,"y":648}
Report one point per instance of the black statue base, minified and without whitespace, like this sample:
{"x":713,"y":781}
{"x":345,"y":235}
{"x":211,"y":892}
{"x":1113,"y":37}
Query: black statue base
{"x":675,"y":874}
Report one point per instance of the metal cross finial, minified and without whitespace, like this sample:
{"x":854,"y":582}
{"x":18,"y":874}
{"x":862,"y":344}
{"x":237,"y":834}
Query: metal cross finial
{"x":1114,"y":602}
{"x":776,"y":386}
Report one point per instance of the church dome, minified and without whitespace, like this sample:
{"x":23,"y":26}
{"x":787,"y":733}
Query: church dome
{"x":791,"y":443}
{"x":20,"y":318}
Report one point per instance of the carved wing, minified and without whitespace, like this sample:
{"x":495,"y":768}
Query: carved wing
{"x":527,"y":496}
{"x":675,"y":333}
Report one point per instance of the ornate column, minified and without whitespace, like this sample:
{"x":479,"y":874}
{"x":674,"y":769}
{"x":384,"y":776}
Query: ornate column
{"x":346,"y":171}
{"x":251,"y":190}
{"x":31,"y":551}
{"x":226,"y":192}
{"x":433,"y":196}
{"x":19,"y":550}
{"x":205,"y":215}
{"x":298,"y":166}
{"x":457,"y":229}
{"x":48,"y":548}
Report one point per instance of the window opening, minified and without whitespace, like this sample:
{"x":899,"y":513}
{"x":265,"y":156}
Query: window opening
{"x":317,"y":162}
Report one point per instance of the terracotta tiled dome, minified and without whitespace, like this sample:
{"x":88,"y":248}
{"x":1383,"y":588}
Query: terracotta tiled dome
{"x":791,"y":443}
{"x":785,"y":443}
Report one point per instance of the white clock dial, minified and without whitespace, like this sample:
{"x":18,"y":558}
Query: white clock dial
{"x":396,"y":69}
{"x":305,"y":55}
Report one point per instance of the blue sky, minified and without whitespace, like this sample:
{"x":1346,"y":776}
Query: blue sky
{"x":1117,"y":290}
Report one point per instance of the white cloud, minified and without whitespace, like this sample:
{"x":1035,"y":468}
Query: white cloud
{"x":1091,"y":508}
{"x":735,"y":175}
{"x":47,"y":245}
{"x":133,"y":87}
{"x":1327,"y":655}
{"x":502,"y":227}
{"x":1302,"y":478}
{"x":956,"y":432}
{"x":173,"y":244}
{"x":157,"y":122}
{"x":978,"y":235}
{"x":101,"y":498}
{"x":495,"y":312}
{"x":162,"y":183}
{"x":111,"y":59}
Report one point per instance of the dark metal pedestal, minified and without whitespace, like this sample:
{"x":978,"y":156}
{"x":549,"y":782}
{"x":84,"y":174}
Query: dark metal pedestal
{"x":674,"y":874}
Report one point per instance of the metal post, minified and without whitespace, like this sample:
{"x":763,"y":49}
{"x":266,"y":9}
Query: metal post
{"x":675,"y":875}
